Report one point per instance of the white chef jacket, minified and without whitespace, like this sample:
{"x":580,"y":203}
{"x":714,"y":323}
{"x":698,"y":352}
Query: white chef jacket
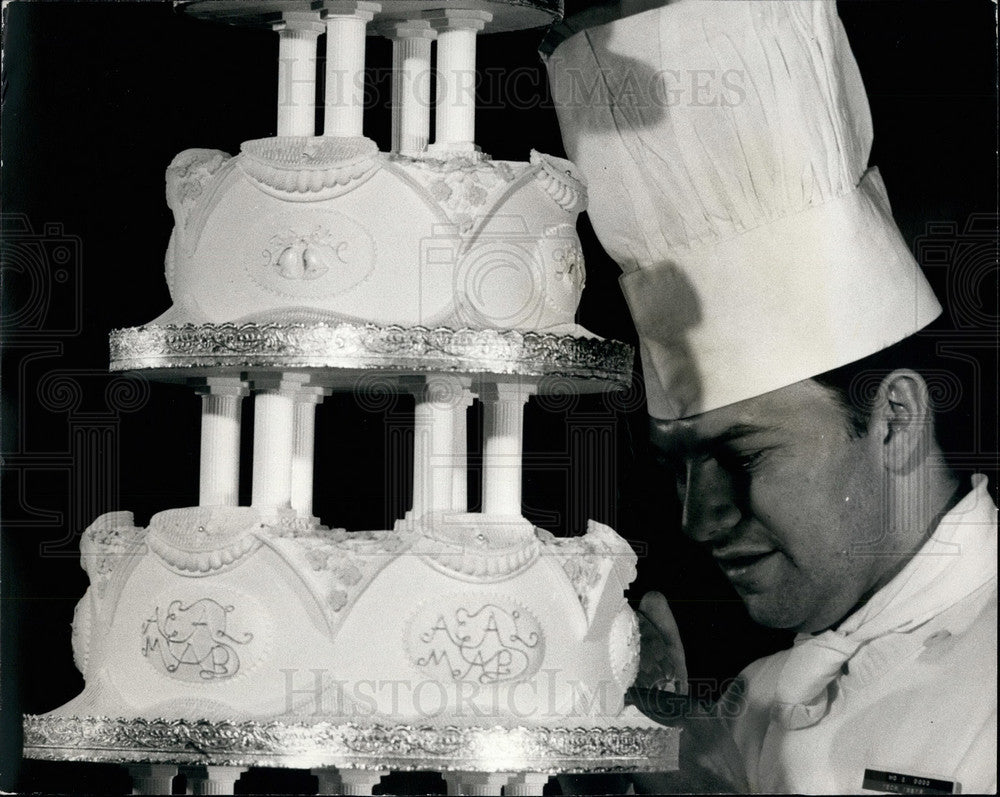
{"x":909,"y":707}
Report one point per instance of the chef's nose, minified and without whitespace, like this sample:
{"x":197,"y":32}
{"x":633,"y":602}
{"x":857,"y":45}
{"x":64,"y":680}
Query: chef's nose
{"x":709,"y":497}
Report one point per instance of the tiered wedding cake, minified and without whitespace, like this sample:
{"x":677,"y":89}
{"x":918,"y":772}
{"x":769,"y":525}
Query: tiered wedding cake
{"x":227,"y":634}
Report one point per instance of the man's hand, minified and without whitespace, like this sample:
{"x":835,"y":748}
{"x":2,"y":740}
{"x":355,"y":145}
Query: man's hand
{"x":661,"y":653}
{"x":709,"y":760}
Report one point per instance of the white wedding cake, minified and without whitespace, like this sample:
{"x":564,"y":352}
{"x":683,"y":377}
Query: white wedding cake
{"x":297,"y":268}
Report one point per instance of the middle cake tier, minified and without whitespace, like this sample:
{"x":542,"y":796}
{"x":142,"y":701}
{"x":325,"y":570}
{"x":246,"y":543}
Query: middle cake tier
{"x":328,"y":229}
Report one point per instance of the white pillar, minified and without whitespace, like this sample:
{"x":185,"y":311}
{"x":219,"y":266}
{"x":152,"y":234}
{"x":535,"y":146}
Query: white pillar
{"x":455,"y":104}
{"x":219,"y":468}
{"x":503,"y":420}
{"x":303,"y":448}
{"x":152,"y":778}
{"x":483,"y":784}
{"x":346,"y":27}
{"x":439,"y":456}
{"x":411,"y":84}
{"x":460,"y":449}
{"x":453,"y":783}
{"x":297,"y":35}
{"x":217,"y":780}
{"x":329,"y":781}
{"x":526,"y":784}
{"x":360,"y":781}
{"x":273,"y":440}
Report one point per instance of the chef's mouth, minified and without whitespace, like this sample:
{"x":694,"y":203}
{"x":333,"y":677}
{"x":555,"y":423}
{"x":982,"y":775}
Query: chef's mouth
{"x":739,"y":565}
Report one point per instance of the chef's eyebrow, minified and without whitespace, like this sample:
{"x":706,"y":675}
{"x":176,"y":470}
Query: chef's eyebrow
{"x":735,"y":432}
{"x":681,"y":443}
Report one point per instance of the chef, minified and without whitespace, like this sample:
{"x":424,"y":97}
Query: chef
{"x":778,"y":309}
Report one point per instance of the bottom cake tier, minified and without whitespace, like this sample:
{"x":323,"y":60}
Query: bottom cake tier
{"x":457,"y":642}
{"x":218,"y":613}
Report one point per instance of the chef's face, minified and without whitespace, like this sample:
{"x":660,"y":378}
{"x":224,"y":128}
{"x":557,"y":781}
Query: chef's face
{"x":789,"y":502}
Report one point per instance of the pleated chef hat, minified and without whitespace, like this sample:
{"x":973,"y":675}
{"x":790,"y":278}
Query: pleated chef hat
{"x":726,"y":147}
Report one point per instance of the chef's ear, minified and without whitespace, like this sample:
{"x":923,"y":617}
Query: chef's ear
{"x":903,"y":418}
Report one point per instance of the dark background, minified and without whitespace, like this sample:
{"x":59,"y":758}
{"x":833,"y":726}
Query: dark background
{"x":98,"y":98}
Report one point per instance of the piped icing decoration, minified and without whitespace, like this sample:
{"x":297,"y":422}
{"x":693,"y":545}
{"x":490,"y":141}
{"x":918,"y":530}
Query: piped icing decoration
{"x":204,"y":632}
{"x":623,"y":648}
{"x":187,"y":178}
{"x":558,"y":179}
{"x":336,"y":564}
{"x":109,"y":547}
{"x":313,"y":167}
{"x":198,"y":541}
{"x":476,"y":639}
{"x":311,"y":254}
{"x":475,"y":547}
{"x":465,"y":187}
{"x":106,"y":545}
{"x":187,"y":175}
{"x":561,"y":254}
{"x":589,"y":559}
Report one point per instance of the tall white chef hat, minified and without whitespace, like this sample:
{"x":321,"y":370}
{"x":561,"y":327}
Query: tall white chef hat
{"x":726,"y":148}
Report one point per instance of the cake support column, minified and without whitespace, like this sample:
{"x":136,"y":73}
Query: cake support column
{"x":329,"y":781}
{"x":482,"y":784}
{"x":152,"y":778}
{"x":411,"y":84}
{"x":503,"y":421}
{"x":455,"y":104}
{"x":219,"y":468}
{"x":360,"y":781}
{"x":273,"y":440}
{"x":346,"y":26}
{"x":460,"y":449}
{"x":214,"y":780}
{"x":297,"y":39}
{"x":439,"y":445}
{"x":303,"y":449}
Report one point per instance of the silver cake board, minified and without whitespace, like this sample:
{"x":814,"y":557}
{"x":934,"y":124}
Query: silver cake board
{"x":350,"y":758}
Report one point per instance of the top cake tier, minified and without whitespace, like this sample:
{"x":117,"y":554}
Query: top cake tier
{"x":506,"y":15}
{"x":312,"y":249}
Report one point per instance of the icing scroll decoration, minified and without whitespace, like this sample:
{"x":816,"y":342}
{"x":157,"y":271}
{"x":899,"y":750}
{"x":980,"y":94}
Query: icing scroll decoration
{"x":558,"y":179}
{"x":466,"y":640}
{"x":309,"y":168}
{"x":192,"y":642}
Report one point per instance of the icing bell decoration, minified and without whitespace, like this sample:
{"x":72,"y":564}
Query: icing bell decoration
{"x":730,"y":182}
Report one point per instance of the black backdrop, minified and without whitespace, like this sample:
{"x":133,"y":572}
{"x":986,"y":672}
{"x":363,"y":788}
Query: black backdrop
{"x":97,"y":99}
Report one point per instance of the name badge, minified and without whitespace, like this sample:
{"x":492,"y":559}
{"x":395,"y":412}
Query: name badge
{"x":898,"y":783}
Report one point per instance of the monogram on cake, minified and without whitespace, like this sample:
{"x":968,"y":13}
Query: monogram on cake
{"x":459,"y":641}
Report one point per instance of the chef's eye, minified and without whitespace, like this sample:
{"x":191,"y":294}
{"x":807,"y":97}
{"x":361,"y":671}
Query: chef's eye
{"x":748,"y":462}
{"x":740,"y":461}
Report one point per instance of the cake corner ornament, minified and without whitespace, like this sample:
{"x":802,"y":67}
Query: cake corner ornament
{"x":220,"y":636}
